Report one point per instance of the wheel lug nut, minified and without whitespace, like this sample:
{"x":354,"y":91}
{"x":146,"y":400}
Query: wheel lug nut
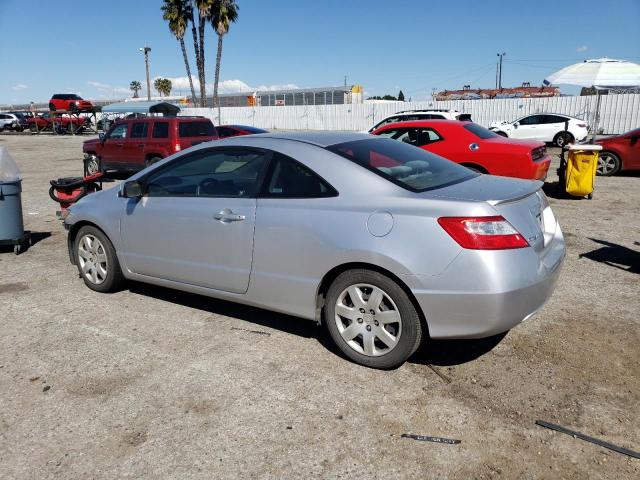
{"x":368,"y":328}
{"x":362,"y":310}
{"x":376,"y":323}
{"x":372,"y":312}
{"x":359,"y":320}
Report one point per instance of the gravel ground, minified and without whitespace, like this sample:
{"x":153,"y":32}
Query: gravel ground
{"x":152,"y":383}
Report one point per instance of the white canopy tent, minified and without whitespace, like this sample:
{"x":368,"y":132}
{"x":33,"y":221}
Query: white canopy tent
{"x":598,"y":73}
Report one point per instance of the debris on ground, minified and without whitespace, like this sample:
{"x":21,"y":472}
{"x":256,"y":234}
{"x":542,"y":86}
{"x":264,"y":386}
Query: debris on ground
{"x":426,"y":438}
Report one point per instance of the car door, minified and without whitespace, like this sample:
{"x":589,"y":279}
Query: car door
{"x":551,"y":125}
{"x":195,"y":222}
{"x":134,"y":146}
{"x":113,"y":144}
{"x":526,"y":127}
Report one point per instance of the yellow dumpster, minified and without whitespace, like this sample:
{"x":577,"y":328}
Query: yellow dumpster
{"x":580,"y":172}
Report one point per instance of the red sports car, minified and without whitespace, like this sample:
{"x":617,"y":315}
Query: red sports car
{"x":474,"y":147}
{"x":225,"y":131}
{"x":69,"y":102}
{"x":621,"y":152}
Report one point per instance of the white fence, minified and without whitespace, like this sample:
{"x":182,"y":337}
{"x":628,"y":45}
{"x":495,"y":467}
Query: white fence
{"x":618,"y":113}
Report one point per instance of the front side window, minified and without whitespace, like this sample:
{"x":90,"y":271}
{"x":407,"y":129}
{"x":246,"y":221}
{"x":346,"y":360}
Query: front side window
{"x":139,"y":130}
{"x":118,"y":132}
{"x":291,"y":179}
{"x":412,"y":168}
{"x":531,"y":120}
{"x":160,"y":130}
{"x":213,"y":173}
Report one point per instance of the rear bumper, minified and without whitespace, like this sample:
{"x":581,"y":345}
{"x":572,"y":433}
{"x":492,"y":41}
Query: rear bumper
{"x":483,"y":293}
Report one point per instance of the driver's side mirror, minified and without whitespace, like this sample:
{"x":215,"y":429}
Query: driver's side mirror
{"x":132,"y":189}
{"x":515,"y":125}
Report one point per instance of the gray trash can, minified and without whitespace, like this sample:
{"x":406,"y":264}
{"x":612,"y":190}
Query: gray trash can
{"x":11,"y":223}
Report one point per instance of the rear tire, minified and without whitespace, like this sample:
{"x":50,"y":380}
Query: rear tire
{"x":97,"y":261}
{"x":371,"y":319}
{"x":608,"y":164}
{"x":562,"y":139}
{"x":151,"y":161}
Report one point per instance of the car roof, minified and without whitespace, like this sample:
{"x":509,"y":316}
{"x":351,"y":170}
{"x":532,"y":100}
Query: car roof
{"x":320,"y":139}
{"x":420,"y":123}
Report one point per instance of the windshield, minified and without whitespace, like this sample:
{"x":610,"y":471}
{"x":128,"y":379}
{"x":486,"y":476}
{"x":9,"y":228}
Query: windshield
{"x":480,"y":132}
{"x":410,"y":167}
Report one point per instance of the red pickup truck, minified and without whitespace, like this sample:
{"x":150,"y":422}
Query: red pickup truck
{"x":45,"y":121}
{"x":133,"y":144}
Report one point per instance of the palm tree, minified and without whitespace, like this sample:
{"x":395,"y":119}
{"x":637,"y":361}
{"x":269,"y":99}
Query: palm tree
{"x":163,"y":86}
{"x":204,"y":8}
{"x":224,"y":13}
{"x":135,"y":86}
{"x":179,"y":13}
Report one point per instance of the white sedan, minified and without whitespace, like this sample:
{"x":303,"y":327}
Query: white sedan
{"x":545,"y":127}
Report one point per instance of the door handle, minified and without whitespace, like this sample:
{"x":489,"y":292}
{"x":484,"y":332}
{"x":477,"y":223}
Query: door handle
{"x":119,"y":144}
{"x":227,"y":216}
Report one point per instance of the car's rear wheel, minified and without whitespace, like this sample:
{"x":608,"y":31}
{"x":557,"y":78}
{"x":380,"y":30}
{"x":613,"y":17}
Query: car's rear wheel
{"x":97,"y":261}
{"x":371,"y":319}
{"x":608,"y":164}
{"x":52,"y":107}
{"x":563,"y":139}
{"x":152,"y":160}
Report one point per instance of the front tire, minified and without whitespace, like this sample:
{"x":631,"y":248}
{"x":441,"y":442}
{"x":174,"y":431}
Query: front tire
{"x":608,"y":164}
{"x":371,"y":319}
{"x":93,"y":165}
{"x":97,"y":261}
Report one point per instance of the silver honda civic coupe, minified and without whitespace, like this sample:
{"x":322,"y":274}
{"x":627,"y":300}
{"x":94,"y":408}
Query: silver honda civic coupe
{"x":383,"y":242}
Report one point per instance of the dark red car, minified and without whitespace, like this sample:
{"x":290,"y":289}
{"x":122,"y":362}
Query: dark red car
{"x":621,"y":152}
{"x":69,"y":102}
{"x":46,"y":121}
{"x":474,"y":147}
{"x":225,"y":131}
{"x":133,"y":144}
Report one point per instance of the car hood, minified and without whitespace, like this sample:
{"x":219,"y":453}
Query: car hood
{"x":499,"y":124}
{"x":487,"y":188}
{"x":91,"y":142}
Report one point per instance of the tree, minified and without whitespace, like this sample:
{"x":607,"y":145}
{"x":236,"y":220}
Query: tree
{"x":163,"y":86}
{"x":135,"y":86}
{"x":178,"y":13}
{"x":401,"y":96}
{"x":204,"y":8}
{"x":223,"y":13}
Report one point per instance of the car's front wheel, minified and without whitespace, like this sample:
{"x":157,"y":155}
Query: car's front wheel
{"x":92,"y":164}
{"x":608,"y":164}
{"x":97,"y":261}
{"x":371,"y":319}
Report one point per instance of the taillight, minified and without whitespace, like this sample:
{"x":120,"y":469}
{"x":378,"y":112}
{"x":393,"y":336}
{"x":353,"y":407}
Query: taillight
{"x":483,"y":233}
{"x":177,"y":147}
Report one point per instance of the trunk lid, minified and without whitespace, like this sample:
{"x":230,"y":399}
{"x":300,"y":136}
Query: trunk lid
{"x":521,"y":202}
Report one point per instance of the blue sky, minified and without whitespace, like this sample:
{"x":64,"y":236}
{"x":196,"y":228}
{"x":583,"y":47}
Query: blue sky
{"x":91,"y":47}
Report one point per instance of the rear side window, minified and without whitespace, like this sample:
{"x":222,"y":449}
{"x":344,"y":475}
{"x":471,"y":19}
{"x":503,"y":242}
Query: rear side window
{"x":479,"y":131}
{"x":139,"y":130}
{"x":412,"y":168}
{"x":160,"y":130}
{"x":291,"y":179}
{"x":195,"y":129}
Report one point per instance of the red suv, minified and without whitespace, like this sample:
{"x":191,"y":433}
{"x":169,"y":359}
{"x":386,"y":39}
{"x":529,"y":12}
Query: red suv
{"x":69,"y":102}
{"x":133,"y":144}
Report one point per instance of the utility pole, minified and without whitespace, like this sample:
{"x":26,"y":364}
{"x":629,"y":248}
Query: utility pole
{"x":499,"y":86}
{"x":345,"y":80}
{"x":146,"y":51}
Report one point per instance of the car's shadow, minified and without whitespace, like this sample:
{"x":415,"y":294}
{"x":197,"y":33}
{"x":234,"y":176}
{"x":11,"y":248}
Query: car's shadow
{"x":615,"y":256}
{"x":432,"y":352}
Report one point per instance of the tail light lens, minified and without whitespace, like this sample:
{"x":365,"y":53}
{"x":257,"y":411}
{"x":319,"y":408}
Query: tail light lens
{"x":483,"y":233}
{"x":177,"y":147}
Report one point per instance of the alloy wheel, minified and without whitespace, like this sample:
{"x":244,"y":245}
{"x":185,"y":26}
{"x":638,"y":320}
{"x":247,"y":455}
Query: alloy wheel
{"x":368,"y":319}
{"x":607,"y":164}
{"x":92,"y":258}
{"x":93,"y":165}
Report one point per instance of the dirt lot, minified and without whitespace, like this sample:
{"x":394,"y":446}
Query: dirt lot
{"x":151,"y":383}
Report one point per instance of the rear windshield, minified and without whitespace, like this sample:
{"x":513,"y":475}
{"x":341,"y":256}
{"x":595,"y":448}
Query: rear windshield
{"x":252,"y":129}
{"x":196,"y":129}
{"x":480,"y":132}
{"x":410,"y":167}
